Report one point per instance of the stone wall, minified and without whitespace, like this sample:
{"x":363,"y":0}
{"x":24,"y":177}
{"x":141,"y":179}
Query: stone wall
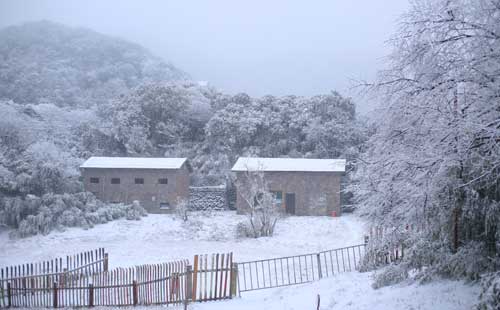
{"x":208,"y":198}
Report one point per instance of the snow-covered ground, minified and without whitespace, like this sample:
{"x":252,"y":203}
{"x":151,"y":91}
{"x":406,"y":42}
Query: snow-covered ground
{"x":159,"y":238}
{"x":354,"y":291}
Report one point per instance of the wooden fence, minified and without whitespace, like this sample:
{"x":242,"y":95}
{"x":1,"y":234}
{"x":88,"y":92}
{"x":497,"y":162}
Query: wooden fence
{"x":213,"y":277}
{"x":42,"y":275}
{"x":298,"y":269}
{"x":210,"y":277}
{"x":167,"y":283}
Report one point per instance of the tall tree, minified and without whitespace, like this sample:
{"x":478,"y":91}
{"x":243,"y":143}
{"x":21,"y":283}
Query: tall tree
{"x":434,"y":161}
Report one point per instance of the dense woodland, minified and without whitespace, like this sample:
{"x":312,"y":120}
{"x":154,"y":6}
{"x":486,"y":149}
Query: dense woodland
{"x":119,"y":100}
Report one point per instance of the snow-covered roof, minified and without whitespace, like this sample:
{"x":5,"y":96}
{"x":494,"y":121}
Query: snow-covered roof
{"x":289,"y":164}
{"x":133,"y":163}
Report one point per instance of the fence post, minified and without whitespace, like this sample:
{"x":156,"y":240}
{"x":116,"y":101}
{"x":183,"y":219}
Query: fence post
{"x":135,"y":297}
{"x":91,"y":295}
{"x":105,"y":263}
{"x":320,"y":274}
{"x":189,"y":285}
{"x":9,"y":295}
{"x":63,"y":276}
{"x":195,"y":278}
{"x":234,"y":280}
{"x":54,"y":295}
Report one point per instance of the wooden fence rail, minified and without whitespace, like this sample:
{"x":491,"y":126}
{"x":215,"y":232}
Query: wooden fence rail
{"x":38,"y":277}
{"x":298,"y":269}
{"x":166,"y":283}
{"x":210,"y":277}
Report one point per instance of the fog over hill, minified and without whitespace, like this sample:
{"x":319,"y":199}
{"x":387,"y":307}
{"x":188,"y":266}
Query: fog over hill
{"x":46,"y":62}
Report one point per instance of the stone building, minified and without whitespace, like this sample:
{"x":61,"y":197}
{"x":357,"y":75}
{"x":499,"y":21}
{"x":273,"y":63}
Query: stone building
{"x":300,"y":186}
{"x":157,"y":183}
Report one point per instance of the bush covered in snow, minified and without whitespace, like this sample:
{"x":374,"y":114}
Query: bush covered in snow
{"x":34,"y":215}
{"x":390,"y":275}
{"x":490,"y":294}
{"x":243,"y":230}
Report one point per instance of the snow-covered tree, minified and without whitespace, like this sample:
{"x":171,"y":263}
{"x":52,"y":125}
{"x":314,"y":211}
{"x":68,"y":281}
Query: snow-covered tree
{"x":260,"y":208}
{"x":156,"y":117}
{"x":434,"y":161}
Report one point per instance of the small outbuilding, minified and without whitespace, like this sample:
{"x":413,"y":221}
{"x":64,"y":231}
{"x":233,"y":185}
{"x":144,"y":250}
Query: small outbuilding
{"x":157,"y":183}
{"x":301,"y":186}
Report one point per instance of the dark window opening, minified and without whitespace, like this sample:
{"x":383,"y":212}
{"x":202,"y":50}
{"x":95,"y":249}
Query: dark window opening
{"x":94,"y":180}
{"x":115,"y":180}
{"x":163,"y":181}
{"x":164,"y":205}
{"x":139,"y":181}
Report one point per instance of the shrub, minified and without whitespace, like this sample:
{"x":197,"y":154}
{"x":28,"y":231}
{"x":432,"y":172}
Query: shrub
{"x":390,"y":275}
{"x":243,"y":230}
{"x":33,"y":215}
{"x":490,"y":294}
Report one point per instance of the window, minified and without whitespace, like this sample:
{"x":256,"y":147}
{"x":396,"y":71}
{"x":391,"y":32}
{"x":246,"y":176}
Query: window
{"x":164,"y":206}
{"x":139,"y":181}
{"x":115,"y":180}
{"x":278,"y":197}
{"x":163,"y":181}
{"x":94,"y":180}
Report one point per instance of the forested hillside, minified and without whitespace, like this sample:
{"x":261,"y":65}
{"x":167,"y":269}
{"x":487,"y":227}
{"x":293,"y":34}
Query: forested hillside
{"x":71,"y":93}
{"x":45,"y":62}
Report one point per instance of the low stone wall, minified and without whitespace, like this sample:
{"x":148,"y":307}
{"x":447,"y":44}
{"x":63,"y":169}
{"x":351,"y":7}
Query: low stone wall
{"x":208,"y":198}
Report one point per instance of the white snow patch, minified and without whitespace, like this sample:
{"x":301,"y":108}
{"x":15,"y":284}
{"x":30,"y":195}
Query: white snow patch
{"x":353,"y":291}
{"x":289,"y":164}
{"x":133,"y":162}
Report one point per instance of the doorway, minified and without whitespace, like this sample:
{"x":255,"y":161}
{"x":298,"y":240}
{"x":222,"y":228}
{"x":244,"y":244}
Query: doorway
{"x":290,"y":203}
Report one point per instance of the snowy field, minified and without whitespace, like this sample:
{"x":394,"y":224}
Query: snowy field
{"x":159,"y":238}
{"x":353,"y":291}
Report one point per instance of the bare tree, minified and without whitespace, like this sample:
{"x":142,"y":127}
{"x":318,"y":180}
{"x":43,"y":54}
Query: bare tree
{"x":262,"y":210}
{"x":182,"y":209}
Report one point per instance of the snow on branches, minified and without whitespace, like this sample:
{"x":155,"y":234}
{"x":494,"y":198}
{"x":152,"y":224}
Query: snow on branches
{"x":434,"y":160}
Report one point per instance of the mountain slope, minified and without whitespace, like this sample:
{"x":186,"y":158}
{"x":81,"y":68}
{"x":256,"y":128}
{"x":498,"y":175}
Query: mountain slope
{"x":46,"y":62}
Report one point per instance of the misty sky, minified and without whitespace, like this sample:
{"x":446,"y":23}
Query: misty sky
{"x":258,"y":47}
